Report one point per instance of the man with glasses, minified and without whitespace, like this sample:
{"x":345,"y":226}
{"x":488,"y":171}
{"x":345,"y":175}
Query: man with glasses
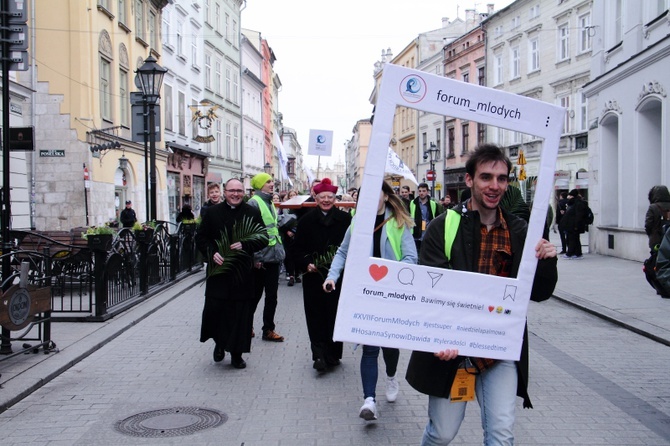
{"x":498,"y":238}
{"x":227,"y":315}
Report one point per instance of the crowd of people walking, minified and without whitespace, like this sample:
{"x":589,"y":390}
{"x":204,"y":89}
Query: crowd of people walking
{"x":247,"y":245}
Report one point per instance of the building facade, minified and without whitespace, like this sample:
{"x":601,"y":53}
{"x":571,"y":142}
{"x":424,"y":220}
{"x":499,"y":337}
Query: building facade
{"x":542,"y":49}
{"x":629,"y":149}
{"x":82,"y":100}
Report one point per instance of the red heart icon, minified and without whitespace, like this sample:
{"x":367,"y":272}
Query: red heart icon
{"x":491,"y":308}
{"x":378,"y":272}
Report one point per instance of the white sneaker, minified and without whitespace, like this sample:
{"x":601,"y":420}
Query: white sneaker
{"x":368,"y":409}
{"x":391,"y":389}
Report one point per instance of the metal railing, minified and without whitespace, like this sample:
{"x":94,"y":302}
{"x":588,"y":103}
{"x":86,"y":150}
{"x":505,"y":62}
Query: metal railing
{"x":94,"y":282}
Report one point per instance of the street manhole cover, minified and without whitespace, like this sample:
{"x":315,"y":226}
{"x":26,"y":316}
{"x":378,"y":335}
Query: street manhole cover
{"x":171,"y":422}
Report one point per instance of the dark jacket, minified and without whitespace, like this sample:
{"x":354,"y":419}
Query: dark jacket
{"x":425,"y":372}
{"x":417,"y":215}
{"x":575,"y":216}
{"x":128,"y":218}
{"x":206,"y":205}
{"x":220,"y":218}
{"x":659,"y":203}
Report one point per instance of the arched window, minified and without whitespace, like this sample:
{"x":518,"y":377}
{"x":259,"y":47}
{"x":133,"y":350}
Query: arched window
{"x":105,"y":75}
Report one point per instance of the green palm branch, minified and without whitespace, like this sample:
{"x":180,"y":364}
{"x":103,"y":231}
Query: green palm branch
{"x":235,"y":260}
{"x":323,"y":261}
{"x":513,"y":203}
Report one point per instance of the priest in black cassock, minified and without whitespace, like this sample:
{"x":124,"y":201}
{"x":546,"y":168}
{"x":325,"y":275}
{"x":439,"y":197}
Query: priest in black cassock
{"x":229,"y":234}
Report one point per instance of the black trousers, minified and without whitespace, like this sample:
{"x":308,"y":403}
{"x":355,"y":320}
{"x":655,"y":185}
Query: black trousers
{"x":266,"y":279}
{"x":574,"y":244}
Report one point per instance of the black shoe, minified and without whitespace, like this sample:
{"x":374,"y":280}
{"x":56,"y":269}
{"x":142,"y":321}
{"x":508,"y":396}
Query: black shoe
{"x":562,"y":252}
{"x":219,"y":354}
{"x":298,"y":280}
{"x":320,"y":365}
{"x":333,"y":362}
{"x":291,"y":281}
{"x":238,"y":363}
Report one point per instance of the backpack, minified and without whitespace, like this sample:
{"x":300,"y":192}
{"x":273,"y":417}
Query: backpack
{"x":589,"y":216}
{"x":665,"y":220}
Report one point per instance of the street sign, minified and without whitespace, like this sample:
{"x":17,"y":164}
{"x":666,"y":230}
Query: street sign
{"x":137,"y":117}
{"x":53,"y":153}
{"x":430,"y":175}
{"x":438,"y":186}
{"x":21,"y":139}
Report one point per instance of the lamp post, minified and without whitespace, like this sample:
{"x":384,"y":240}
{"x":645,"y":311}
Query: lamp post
{"x":431,"y":153}
{"x":150,"y":79}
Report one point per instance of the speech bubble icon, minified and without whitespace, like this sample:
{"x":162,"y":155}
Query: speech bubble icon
{"x":406,"y":276}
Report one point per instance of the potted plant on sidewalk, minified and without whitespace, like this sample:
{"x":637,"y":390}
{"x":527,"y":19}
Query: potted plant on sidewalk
{"x":145,"y":231}
{"x":99,"y":238}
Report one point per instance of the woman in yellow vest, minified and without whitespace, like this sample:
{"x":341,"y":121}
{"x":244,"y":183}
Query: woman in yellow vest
{"x":393,"y":240}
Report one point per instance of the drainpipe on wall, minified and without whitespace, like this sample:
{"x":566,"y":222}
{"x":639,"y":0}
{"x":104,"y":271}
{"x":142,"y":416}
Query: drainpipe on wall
{"x":33,"y":87}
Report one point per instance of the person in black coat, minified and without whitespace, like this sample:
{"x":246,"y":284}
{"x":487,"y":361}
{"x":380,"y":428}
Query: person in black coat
{"x":498,"y":382}
{"x":226,"y":317}
{"x":318,"y":235}
{"x":574,"y":222}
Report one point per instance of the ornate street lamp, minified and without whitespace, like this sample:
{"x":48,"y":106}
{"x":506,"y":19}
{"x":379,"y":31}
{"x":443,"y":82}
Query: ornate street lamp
{"x":149,"y":79}
{"x":431,"y":153}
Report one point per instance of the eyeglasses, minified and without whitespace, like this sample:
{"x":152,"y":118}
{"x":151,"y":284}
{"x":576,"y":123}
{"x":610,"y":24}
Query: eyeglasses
{"x":235,"y":191}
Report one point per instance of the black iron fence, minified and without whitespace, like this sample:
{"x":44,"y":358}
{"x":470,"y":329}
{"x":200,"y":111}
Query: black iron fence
{"x":97,"y":278}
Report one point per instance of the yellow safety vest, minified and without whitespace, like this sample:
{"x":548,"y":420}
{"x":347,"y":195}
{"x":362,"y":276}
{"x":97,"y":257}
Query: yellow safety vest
{"x":269,"y":219}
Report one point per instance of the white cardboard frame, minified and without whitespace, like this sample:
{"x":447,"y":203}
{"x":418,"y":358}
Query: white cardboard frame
{"x":392,"y":304}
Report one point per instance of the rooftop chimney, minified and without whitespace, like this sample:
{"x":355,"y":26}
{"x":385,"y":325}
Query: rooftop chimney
{"x":445,"y":22}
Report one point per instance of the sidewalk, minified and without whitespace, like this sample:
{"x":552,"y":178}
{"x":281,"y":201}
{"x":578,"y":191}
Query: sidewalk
{"x":609,"y":287}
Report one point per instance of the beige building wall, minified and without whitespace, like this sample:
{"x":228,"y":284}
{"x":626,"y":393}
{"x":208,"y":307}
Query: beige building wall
{"x":72,"y":39}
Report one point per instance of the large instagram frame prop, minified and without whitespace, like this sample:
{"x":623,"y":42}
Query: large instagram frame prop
{"x":393,"y":304}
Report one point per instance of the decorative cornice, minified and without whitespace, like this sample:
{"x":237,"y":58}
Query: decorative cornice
{"x":652,"y":87}
{"x":610,"y":106}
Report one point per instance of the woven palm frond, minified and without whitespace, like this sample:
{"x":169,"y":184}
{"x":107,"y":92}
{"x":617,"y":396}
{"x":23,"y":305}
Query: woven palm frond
{"x":235,"y":260}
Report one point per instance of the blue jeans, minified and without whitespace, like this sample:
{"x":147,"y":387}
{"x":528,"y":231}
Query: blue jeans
{"x":496,"y":394}
{"x":369,"y":369}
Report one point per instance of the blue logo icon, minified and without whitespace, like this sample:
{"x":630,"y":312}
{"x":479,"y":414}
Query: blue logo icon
{"x":413,"y":88}
{"x":413,"y":85}
{"x":320,"y":139}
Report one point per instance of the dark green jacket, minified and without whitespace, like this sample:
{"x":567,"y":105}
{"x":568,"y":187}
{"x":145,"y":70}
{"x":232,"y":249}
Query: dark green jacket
{"x":425,"y":372}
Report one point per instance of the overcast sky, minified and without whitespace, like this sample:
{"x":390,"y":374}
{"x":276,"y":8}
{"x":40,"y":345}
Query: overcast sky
{"x":326,"y":52}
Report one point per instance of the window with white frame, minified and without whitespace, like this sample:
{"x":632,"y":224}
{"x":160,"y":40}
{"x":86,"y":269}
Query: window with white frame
{"x":234,"y":36}
{"x":498,"y":31}
{"x":153,"y":34}
{"x":194,"y":122}
{"x":236,"y":142}
{"x":534,"y":12}
{"x":497,"y":69}
{"x":466,"y":76}
{"x":208,"y":71}
{"x":583,"y":111}
{"x":563,"y":42}
{"x":515,"y":62}
{"x":654,"y":9}
{"x":181,"y":113}
{"x":501,"y":136}
{"x":123,"y":14}
{"x":564,"y":101}
{"x":228,"y":83}
{"x":139,"y":19}
{"x":123,"y":97}
{"x":481,"y":76}
{"x":167,"y":38}
{"x":533,"y":54}
{"x":194,"y":48}
{"x":236,"y":87}
{"x":180,"y":38}
{"x":167,"y":98}
{"x":618,"y":21}
{"x":585,"y":32}
{"x":465,"y":137}
{"x":217,"y":17}
{"x":228,"y":140}
{"x":105,"y":89}
{"x":227,"y":26}
{"x":104,"y":4}
{"x":208,"y":11}
{"x":219,"y":138}
{"x":516,"y":21}
{"x":217,"y":77}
